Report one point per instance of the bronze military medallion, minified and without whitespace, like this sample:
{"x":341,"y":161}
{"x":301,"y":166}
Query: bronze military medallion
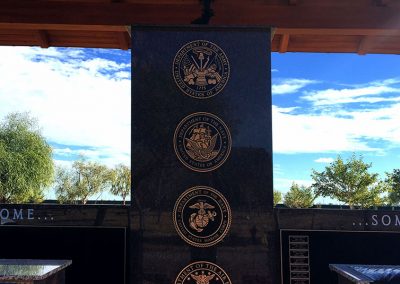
{"x":203,"y":272}
{"x":201,"y":69}
{"x":202,"y":142}
{"x":202,"y":216}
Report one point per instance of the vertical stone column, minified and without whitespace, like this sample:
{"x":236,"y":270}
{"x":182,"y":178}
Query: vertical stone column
{"x":201,"y":155}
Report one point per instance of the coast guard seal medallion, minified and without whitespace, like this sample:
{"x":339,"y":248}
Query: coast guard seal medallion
{"x":202,"y":216}
{"x":203,"y":272}
{"x":202,"y":142}
{"x":201,"y":69}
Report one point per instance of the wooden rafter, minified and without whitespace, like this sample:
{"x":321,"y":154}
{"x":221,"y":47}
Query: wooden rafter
{"x":339,"y":32}
{"x":364,"y":45}
{"x":283,"y":46}
{"x":226,"y":12}
{"x":307,"y":17}
{"x":124,"y":40}
{"x":95,"y":13}
{"x":382,"y":2}
{"x":43,"y":39}
{"x":306,"y":26}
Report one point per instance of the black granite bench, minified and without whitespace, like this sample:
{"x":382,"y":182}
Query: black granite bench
{"x":365,"y":274}
{"x":33,"y":271}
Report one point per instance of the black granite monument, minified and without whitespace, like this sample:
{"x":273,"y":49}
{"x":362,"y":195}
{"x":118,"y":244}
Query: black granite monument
{"x":201,"y":155}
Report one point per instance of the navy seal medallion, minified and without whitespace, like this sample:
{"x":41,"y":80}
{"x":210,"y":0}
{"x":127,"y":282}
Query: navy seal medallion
{"x":202,"y":142}
{"x":202,"y":216}
{"x":203,"y":272}
{"x":201,"y":69}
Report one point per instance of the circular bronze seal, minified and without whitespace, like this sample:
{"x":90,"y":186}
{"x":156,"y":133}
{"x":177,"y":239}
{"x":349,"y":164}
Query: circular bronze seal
{"x":203,"y":272}
{"x":202,"y":142}
{"x":202,"y":216}
{"x":201,"y":69}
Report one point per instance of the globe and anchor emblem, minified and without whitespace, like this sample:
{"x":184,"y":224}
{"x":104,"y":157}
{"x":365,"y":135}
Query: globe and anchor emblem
{"x":200,"y":220}
{"x":202,"y":216}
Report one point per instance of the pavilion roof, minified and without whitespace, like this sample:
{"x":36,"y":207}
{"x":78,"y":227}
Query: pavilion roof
{"x":354,"y":26}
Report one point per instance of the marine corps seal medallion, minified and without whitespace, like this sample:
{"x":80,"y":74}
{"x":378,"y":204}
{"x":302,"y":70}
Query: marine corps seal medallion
{"x":203,"y":272}
{"x":201,"y":69}
{"x":202,"y":142}
{"x":202,"y":216}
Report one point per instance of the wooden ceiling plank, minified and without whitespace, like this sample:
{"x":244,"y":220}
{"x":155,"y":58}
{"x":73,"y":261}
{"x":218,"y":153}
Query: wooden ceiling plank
{"x":341,"y":32}
{"x":65,"y":27}
{"x":293,"y":2}
{"x":49,"y":12}
{"x":283,"y":46}
{"x":306,"y":17}
{"x":81,"y":13}
{"x":382,"y":3}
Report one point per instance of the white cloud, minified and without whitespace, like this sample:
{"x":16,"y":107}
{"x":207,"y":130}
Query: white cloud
{"x":77,"y":100}
{"x":324,"y":160}
{"x":367,"y":94}
{"x":288,"y":86}
{"x":63,"y":164}
{"x":106,"y":155}
{"x":327,"y":132}
{"x":283,"y":184}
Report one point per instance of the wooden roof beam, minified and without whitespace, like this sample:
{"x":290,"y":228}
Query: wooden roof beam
{"x":43,"y":38}
{"x":306,"y":17}
{"x":226,"y":12}
{"x":124,"y":40}
{"x":283,"y":45}
{"x":96,"y":13}
{"x":382,"y":3}
{"x":341,"y":32}
{"x":364,"y":45}
{"x":62,"y":27}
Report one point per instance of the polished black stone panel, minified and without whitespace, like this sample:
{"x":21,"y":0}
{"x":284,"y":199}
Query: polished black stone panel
{"x":307,"y":255}
{"x":98,"y":254}
{"x":225,"y":88}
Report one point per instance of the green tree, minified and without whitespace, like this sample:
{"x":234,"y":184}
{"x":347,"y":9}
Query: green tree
{"x":393,"y":181}
{"x":66,"y":185}
{"x":277,"y":197}
{"x":349,"y":182}
{"x":26,"y":164}
{"x":121,"y":181}
{"x":83,"y":181}
{"x":299,"y":196}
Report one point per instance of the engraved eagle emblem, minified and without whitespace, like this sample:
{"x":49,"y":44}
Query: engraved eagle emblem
{"x":203,"y":279}
{"x":201,"y":144}
{"x":201,"y":69}
{"x":198,"y":221}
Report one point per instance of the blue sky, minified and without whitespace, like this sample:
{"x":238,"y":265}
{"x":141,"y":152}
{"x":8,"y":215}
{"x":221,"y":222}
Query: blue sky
{"x":323,"y":105}
{"x":330,"y":104}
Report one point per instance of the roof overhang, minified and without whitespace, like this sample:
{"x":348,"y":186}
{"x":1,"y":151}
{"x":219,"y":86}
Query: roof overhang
{"x":356,"y":26}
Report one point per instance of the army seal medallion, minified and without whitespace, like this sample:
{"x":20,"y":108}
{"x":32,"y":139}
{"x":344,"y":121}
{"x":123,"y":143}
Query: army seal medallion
{"x":202,"y":216}
{"x":202,"y":142}
{"x":203,"y":272}
{"x":201,"y":69}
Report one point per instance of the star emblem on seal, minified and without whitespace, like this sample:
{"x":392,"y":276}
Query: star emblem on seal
{"x":201,"y":69}
{"x":202,"y":142}
{"x":202,"y":216}
{"x":203,"y":272}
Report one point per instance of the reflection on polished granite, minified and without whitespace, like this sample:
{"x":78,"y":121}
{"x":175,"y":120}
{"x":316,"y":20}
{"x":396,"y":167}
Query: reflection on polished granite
{"x":364,"y":274}
{"x":30,"y":269}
